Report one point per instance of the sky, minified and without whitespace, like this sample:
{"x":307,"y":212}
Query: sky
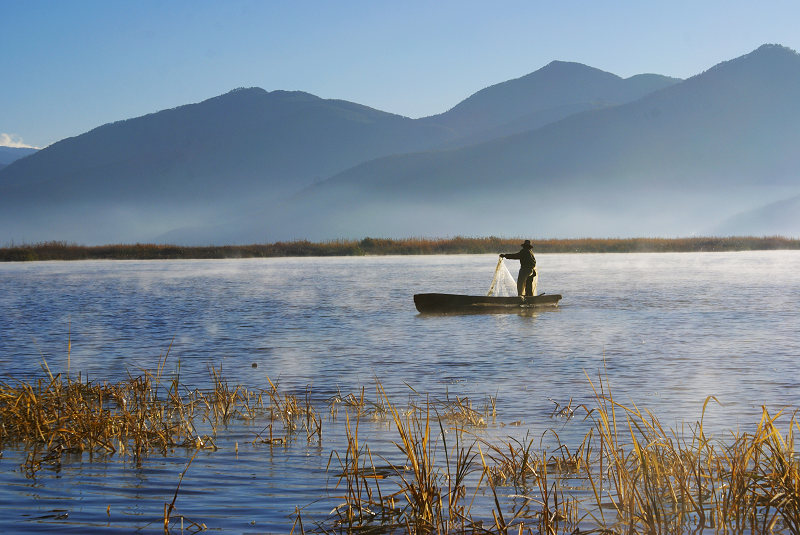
{"x":69,"y":66}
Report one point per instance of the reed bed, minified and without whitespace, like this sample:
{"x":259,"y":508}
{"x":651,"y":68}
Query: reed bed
{"x":292,"y":413}
{"x":442,"y":473}
{"x":450,"y":409}
{"x":138,"y":416}
{"x":59,"y":415}
{"x":433,"y":485}
{"x":58,"y":250}
{"x":629,"y":475}
{"x":654,"y":480}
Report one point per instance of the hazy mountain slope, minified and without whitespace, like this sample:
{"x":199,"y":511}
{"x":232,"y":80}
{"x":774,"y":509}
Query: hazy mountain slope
{"x":10,"y":154}
{"x":252,"y":138}
{"x":780,"y":218}
{"x":249,"y":149}
{"x":549,"y":94}
{"x":675,"y":161}
{"x":194,"y":163}
{"x":736,"y":123}
{"x":670,"y":163}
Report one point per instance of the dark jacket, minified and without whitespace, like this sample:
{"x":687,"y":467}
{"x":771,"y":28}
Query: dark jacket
{"x":525,"y":257}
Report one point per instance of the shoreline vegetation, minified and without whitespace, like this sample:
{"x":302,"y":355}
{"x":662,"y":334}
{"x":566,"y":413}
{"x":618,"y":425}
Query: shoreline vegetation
{"x":59,"y":250}
{"x":629,"y":474}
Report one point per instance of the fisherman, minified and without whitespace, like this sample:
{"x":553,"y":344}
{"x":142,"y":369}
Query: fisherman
{"x":527,"y":263}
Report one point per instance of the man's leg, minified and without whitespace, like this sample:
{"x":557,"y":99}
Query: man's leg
{"x":521,"y":278}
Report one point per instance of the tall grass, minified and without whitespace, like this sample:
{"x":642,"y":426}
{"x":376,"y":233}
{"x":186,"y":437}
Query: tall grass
{"x":56,"y":250}
{"x":441,"y":471}
{"x":655,"y":480}
{"x":628,"y":475}
{"x":137,"y":416}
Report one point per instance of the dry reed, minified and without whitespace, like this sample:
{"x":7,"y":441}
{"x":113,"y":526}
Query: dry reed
{"x":660,"y":481}
{"x":422,"y":494}
{"x":57,"y":250}
{"x":137,"y":416}
{"x":629,"y":475}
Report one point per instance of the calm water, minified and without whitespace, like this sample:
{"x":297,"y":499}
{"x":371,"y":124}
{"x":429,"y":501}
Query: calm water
{"x":667,"y":329}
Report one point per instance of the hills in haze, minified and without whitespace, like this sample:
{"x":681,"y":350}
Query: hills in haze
{"x":556,"y":91}
{"x":565,"y":151}
{"x":10,"y":154}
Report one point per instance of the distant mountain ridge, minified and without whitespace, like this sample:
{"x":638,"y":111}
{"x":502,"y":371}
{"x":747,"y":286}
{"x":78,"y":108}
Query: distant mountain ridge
{"x":675,"y":162}
{"x":249,"y":127}
{"x":553,"y":92}
{"x":776,"y":218}
{"x":10,"y":154}
{"x":195,"y":163}
{"x":565,"y":151}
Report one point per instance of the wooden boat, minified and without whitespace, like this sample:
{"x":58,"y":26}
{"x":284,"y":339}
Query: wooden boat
{"x":476,"y":303}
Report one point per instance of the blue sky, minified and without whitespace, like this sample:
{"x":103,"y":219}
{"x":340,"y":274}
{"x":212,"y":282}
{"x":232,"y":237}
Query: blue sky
{"x":69,"y":66}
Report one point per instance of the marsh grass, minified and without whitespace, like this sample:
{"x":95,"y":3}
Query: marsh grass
{"x":648,"y":479}
{"x":629,"y":475}
{"x":450,"y":409}
{"x":442,"y":473}
{"x":58,"y":250}
{"x":140,"y":415}
{"x":291,"y":413}
{"x":359,"y":404}
{"x":411,"y":494}
{"x":59,"y":415}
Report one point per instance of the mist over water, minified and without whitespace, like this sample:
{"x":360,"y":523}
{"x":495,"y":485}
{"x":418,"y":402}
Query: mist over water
{"x":667,"y":330}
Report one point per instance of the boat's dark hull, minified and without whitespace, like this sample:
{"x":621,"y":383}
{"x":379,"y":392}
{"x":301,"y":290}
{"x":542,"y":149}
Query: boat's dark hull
{"x":477,"y":303}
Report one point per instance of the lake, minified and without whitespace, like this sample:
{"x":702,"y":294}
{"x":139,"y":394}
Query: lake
{"x":665,"y":330}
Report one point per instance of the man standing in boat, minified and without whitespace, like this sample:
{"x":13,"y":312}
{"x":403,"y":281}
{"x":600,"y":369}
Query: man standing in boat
{"x":527,"y":271}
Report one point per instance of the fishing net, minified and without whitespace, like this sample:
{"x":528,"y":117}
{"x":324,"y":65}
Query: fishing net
{"x":504,"y":284}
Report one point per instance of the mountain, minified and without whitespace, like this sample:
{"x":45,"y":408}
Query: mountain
{"x":10,"y":154}
{"x":556,"y":91}
{"x":675,"y":162}
{"x":137,"y":178}
{"x":565,"y":151}
{"x":781,"y":218}
{"x":245,"y":138}
{"x":248,"y":150}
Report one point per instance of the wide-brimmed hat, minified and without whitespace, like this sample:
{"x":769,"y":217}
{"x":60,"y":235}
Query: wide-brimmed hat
{"x":527,"y":244}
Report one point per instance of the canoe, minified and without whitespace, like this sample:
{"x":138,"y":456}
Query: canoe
{"x":478,"y":303}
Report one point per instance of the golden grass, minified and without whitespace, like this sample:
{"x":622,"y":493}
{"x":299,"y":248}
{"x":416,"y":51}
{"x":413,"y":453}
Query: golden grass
{"x":452,"y":410}
{"x":425,"y":494}
{"x":56,"y":250}
{"x":137,"y":416}
{"x":664,"y":481}
{"x":60,"y":415}
{"x":629,"y":474}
